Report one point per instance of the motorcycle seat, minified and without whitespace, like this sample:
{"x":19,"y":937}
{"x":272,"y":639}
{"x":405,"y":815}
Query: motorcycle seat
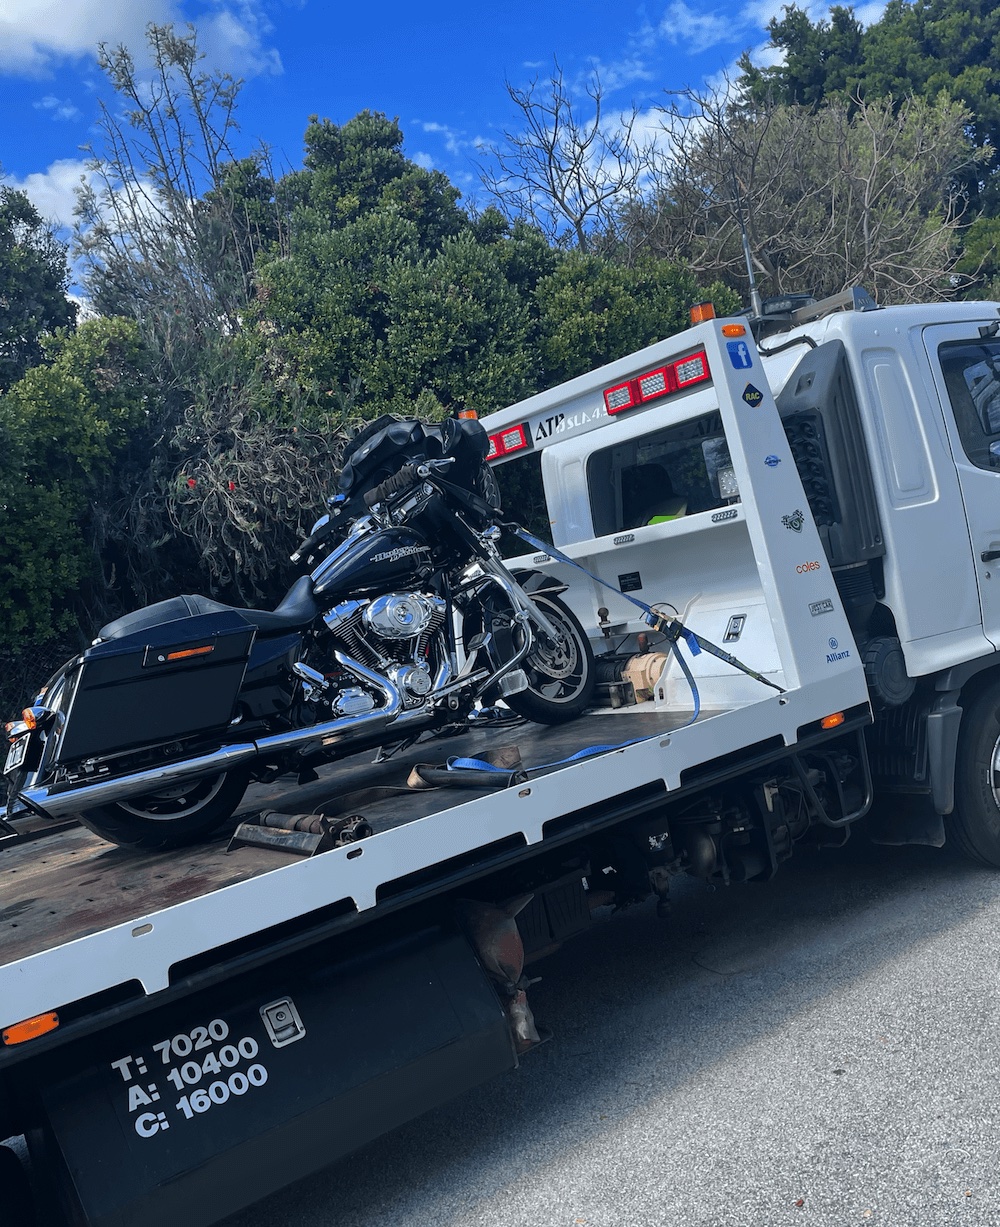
{"x":296,"y":611}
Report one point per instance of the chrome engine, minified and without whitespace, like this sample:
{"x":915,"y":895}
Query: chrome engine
{"x":395,"y":634}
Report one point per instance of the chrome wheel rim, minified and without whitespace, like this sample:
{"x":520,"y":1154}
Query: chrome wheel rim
{"x":181,"y":801}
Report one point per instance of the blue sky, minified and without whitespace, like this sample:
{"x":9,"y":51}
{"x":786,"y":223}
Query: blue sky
{"x":439,"y":67}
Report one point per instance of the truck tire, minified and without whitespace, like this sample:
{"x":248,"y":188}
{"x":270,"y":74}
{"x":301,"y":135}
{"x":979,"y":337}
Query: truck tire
{"x":16,"y":1203}
{"x":975,"y":824}
{"x":176,"y":816}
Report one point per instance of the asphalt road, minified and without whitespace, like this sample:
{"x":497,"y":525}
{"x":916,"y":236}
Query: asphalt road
{"x":822,"y":1050}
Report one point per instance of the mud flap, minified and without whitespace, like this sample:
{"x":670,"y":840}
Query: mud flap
{"x":212,"y":1103}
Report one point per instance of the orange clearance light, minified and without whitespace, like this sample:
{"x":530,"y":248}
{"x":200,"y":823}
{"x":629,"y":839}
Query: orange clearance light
{"x":30,"y":1029}
{"x":832,"y":722}
{"x":733,"y":330}
{"x":701,"y":312}
{"x":470,"y":414}
{"x":28,"y":716}
{"x":188,"y":652}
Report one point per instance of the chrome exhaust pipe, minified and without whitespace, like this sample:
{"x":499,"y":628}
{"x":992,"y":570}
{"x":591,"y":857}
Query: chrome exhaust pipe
{"x":59,"y":802}
{"x":338,"y":730}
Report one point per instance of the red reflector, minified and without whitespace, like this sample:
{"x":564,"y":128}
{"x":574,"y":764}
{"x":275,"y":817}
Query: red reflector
{"x":691,"y":370}
{"x":506,"y":441}
{"x":621,"y":396}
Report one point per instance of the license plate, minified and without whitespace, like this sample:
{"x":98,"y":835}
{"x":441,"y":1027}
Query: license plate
{"x":17,"y":753}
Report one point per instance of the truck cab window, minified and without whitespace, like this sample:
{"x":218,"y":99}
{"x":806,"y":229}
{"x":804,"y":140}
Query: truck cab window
{"x":522,"y":496}
{"x":972,"y":377}
{"x":677,"y":471}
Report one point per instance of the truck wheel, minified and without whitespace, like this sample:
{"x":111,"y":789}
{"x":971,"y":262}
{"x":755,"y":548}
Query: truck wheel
{"x":182,"y":814}
{"x":561,"y":676}
{"x":975,"y":824}
{"x":15,"y":1192}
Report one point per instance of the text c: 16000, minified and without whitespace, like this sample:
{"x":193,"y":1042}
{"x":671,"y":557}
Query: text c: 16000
{"x":219,"y":1092}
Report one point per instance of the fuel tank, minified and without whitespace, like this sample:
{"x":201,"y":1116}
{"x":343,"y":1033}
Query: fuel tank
{"x":374,"y":563}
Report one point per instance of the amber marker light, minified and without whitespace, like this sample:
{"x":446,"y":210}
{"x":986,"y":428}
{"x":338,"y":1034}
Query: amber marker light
{"x":734,"y":330}
{"x":187,"y":653}
{"x":701,"y":312}
{"x":470,"y":414}
{"x":30,"y":1028}
{"x":832,"y":722}
{"x":28,"y":716}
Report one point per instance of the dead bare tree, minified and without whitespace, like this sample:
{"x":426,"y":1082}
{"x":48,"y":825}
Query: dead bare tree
{"x":565,"y":173}
{"x":830,"y":198}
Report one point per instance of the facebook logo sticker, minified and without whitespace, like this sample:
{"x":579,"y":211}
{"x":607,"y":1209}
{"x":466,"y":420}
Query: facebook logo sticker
{"x":739,"y":354}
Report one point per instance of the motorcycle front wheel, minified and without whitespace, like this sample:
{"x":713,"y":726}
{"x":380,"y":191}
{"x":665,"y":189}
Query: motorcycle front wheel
{"x":560,"y":673}
{"x":171,"y":817}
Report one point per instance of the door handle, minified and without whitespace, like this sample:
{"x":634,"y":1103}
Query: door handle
{"x":990,"y":555}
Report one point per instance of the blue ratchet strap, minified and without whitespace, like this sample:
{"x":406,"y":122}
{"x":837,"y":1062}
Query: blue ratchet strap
{"x":673,"y":628}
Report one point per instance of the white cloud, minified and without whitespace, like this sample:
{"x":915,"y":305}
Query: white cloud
{"x":695,"y":32}
{"x":455,"y":142}
{"x":53,"y":191}
{"x":424,"y":160}
{"x":36,"y":34}
{"x":60,"y":108}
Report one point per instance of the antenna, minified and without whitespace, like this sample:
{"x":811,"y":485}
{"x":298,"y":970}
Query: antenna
{"x":756,"y":304}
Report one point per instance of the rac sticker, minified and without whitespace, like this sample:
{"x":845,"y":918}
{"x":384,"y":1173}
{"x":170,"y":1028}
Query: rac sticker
{"x":753,"y":396}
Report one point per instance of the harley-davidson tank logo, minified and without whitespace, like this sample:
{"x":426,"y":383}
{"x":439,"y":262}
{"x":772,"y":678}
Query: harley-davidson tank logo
{"x":401,"y":551}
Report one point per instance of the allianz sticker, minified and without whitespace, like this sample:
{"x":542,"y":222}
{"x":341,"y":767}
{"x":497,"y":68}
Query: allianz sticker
{"x":729,"y":514}
{"x":794,"y":521}
{"x":772,"y":462}
{"x":833,"y":655}
{"x":821,"y":607}
{"x":753,"y":396}
{"x":565,"y":423}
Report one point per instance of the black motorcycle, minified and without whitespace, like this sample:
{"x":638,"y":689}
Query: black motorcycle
{"x":407,"y":622}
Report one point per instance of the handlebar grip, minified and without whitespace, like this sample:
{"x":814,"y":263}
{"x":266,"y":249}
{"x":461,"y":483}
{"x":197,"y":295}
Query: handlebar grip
{"x":406,"y":477}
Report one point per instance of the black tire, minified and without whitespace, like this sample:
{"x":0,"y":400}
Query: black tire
{"x":561,"y":678}
{"x":16,"y":1202}
{"x":176,"y":816}
{"x":975,"y":824}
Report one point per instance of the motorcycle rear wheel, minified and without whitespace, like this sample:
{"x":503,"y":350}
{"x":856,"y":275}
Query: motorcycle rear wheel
{"x":173,"y":817}
{"x":561,"y":676}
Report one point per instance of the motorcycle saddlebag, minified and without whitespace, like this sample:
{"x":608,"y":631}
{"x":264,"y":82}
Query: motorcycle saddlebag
{"x":159,"y":684}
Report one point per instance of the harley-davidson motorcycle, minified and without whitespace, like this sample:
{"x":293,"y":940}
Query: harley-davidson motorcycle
{"x":407,"y":622}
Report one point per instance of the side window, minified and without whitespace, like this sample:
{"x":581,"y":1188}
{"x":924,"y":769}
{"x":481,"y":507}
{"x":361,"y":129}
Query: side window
{"x":522,"y":496}
{"x":677,"y":471}
{"x":972,"y":377}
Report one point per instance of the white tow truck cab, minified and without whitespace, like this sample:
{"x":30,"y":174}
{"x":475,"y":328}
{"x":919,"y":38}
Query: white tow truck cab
{"x":811,"y":523}
{"x":891,"y":417}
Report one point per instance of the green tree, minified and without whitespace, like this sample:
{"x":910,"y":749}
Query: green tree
{"x":33,"y":274}
{"x":593,"y":311}
{"x":927,"y":48}
{"x":68,"y":430}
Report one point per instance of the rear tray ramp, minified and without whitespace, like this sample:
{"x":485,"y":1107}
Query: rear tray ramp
{"x":226,"y":1097}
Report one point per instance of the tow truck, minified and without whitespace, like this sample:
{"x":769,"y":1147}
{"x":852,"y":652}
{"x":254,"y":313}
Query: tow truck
{"x":815,"y":492}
